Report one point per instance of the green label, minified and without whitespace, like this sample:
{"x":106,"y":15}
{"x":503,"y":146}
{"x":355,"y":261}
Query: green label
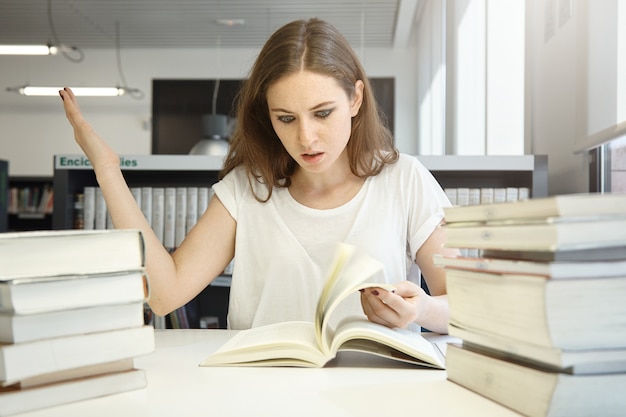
{"x":83,"y":162}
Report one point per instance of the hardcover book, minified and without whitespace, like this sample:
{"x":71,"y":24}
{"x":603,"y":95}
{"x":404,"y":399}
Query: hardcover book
{"x":538,"y":310}
{"x":570,"y":205}
{"x":313,"y":344}
{"x":69,"y":252}
{"x":535,"y":391}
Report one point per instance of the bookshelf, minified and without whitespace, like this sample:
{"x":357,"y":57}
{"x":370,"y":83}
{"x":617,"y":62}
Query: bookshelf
{"x":478,"y":171}
{"x":73,"y":172}
{"x":29,"y":203}
{"x":4,"y":195}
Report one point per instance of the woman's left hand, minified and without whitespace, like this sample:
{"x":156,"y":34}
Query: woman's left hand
{"x":394,"y":309}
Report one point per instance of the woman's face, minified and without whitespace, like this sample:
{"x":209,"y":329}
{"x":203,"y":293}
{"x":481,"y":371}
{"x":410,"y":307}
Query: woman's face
{"x":312,"y":116}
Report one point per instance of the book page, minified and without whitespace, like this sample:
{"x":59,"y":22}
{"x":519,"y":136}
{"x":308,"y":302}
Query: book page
{"x":285,"y":343}
{"x":349,"y":274}
{"x":361,"y":335}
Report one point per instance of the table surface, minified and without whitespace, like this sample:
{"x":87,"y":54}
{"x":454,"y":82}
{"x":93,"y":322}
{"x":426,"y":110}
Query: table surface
{"x":352,"y":385}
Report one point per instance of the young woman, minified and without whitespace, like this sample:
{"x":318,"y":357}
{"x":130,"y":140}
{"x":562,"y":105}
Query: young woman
{"x":311,"y":164}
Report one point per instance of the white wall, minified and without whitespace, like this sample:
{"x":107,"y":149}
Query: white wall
{"x":553,"y":91}
{"x":33,"y":129}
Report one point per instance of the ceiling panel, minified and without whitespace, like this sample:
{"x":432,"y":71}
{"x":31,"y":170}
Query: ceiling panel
{"x":186,"y":23}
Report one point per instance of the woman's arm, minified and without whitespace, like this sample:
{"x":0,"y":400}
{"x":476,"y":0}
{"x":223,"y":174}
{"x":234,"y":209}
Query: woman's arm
{"x":409,"y":303}
{"x":203,"y":255}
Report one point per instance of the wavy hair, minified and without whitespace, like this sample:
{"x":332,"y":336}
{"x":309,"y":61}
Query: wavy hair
{"x":316,"y":46}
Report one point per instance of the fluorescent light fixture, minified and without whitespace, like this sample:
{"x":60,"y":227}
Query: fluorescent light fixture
{"x":28,"y":50}
{"x":28,"y":90}
{"x":231,"y":22}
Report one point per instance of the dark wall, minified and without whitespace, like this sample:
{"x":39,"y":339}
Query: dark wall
{"x":178,"y":105}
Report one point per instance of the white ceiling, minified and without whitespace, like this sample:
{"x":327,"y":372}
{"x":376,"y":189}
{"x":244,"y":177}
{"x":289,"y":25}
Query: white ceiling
{"x":193,"y":23}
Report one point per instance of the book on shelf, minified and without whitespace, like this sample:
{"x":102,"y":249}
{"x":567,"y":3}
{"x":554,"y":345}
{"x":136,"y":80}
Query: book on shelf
{"x":539,"y":310}
{"x":471,"y":196}
{"x":192,"y":208}
{"x":158,"y":212}
{"x":169,"y":218}
{"x":569,"y":205}
{"x":62,"y":252}
{"x":553,"y":270}
{"x":171,"y":211}
{"x":91,"y":383}
{"x":204,"y":195}
{"x":28,"y":359}
{"x":535,"y":391}
{"x":180,"y":216}
{"x":101,"y":212}
{"x":554,"y":234}
{"x":314,"y":344}
{"x":146,"y":203}
{"x":18,"y":328}
{"x":89,"y":210}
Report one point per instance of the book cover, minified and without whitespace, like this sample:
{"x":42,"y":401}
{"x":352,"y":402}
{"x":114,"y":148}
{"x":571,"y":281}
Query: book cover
{"x":614,"y":253}
{"x":313,"y":344}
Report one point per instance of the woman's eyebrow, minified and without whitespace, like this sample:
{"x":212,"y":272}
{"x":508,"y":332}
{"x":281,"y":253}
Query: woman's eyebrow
{"x":317,"y":106}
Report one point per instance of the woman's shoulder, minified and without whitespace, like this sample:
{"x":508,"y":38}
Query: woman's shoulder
{"x":240,"y":181}
{"x":405,"y":163}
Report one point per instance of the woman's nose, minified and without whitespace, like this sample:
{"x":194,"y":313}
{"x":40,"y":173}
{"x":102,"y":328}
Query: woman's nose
{"x":306,"y":133}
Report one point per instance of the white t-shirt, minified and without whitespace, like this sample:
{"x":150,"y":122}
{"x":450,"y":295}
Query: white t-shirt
{"x":283,"y":248}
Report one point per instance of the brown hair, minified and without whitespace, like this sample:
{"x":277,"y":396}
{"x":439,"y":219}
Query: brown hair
{"x":317,"y":46}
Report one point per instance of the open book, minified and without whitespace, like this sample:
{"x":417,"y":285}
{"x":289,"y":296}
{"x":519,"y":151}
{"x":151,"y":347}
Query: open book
{"x":313,"y":344}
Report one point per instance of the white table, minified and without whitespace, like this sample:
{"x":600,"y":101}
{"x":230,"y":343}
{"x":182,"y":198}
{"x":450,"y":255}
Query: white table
{"x":353,"y":385}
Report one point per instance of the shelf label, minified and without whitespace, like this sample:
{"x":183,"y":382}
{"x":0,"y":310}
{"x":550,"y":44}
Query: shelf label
{"x":146,"y":162}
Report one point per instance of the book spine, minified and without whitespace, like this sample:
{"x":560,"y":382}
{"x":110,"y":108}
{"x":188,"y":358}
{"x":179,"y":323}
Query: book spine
{"x":192,"y":207}
{"x":89,"y":212}
{"x":158,"y":212}
{"x":169,"y":231}
{"x":181,"y":216}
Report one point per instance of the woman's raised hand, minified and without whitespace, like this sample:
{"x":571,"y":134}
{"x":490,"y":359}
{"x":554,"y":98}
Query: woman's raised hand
{"x":98,"y":152}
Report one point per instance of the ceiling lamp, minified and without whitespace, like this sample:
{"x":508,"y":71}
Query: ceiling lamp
{"x":28,"y":90}
{"x":28,"y":50}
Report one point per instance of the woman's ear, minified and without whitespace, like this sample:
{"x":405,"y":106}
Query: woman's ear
{"x":357,"y":98}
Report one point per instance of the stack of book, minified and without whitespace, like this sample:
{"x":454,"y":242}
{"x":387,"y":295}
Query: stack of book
{"x":71,"y":316}
{"x":540,"y":313}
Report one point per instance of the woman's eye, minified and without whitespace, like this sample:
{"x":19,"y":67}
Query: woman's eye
{"x":323,"y":113}
{"x":286,"y":119}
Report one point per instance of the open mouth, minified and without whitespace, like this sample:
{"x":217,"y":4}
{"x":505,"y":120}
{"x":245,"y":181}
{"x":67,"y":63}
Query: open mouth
{"x":312,"y":156}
